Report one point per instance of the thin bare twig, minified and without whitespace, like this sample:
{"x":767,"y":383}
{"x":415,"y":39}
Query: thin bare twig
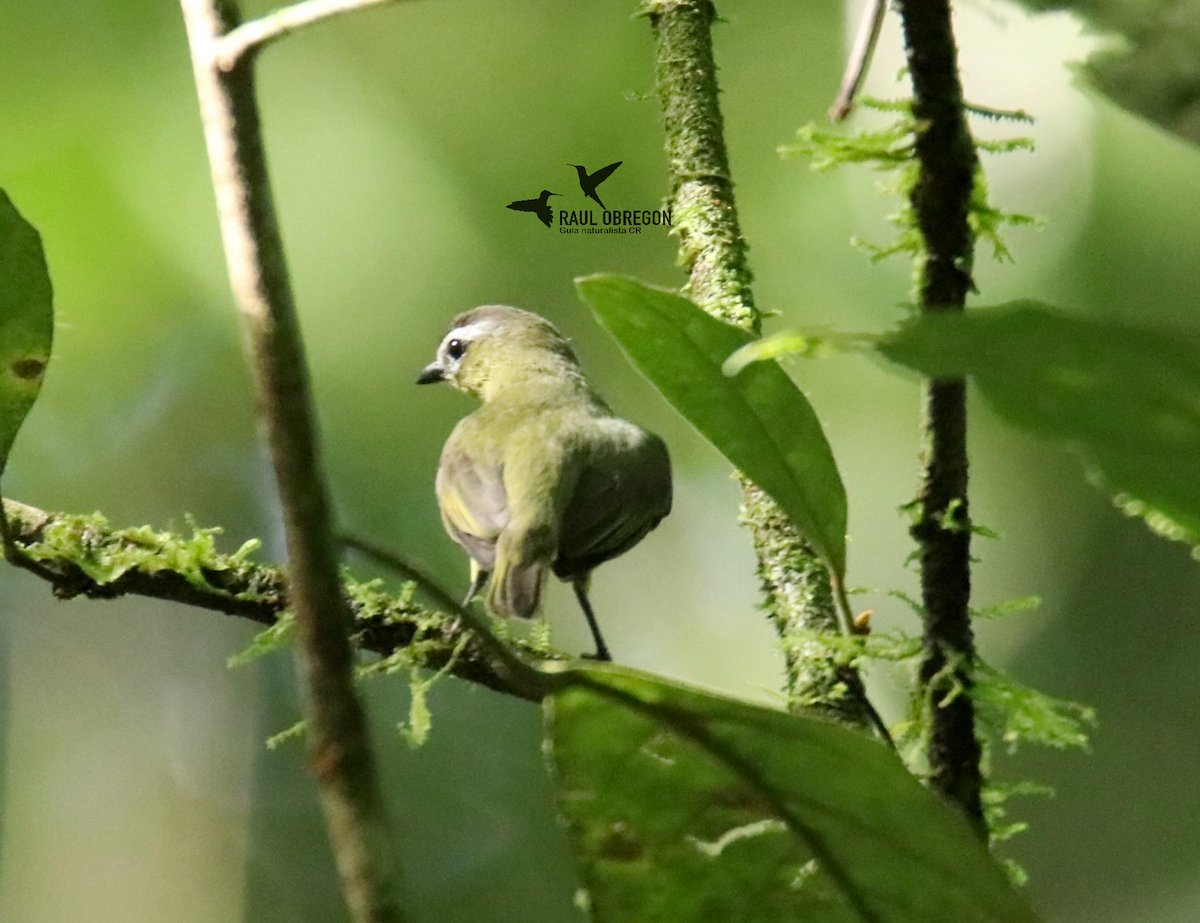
{"x":406,"y":569}
{"x":258,"y":33}
{"x":859,"y":61}
{"x":339,"y":747}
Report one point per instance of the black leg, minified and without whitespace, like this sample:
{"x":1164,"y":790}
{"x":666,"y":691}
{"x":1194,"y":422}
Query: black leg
{"x":481,"y":578}
{"x":476,"y":586}
{"x":580,"y":585}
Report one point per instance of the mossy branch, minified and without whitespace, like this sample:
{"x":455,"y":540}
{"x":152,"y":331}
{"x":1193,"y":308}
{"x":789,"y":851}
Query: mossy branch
{"x":941,"y":201}
{"x":711,"y":245}
{"x":84,"y":556}
{"x":714,"y":252}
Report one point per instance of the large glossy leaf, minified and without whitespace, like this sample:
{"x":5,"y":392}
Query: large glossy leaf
{"x":759,"y":419}
{"x":26,"y":321}
{"x":1126,"y":398}
{"x":689,"y":808}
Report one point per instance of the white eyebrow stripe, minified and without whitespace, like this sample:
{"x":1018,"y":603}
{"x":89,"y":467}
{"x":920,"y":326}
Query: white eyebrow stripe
{"x":470,"y":331}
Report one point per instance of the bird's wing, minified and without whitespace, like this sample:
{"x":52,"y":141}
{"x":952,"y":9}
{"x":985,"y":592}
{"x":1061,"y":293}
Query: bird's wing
{"x":624,"y":491}
{"x":603,"y":173}
{"x":471,"y":495}
{"x":537,"y":479}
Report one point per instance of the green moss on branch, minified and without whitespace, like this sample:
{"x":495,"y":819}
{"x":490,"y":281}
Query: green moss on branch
{"x":941,"y":200}
{"x":84,"y":556}
{"x":712,"y":250}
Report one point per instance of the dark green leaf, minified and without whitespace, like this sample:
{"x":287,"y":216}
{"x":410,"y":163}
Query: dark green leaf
{"x":1148,"y":65}
{"x":684,"y":807}
{"x":759,"y":419}
{"x":26,"y":321}
{"x":1126,"y":398}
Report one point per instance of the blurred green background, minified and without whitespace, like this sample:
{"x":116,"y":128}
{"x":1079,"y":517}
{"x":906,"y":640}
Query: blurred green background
{"x":136,"y":786}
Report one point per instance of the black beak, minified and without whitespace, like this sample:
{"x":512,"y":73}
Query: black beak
{"x":432,"y":373}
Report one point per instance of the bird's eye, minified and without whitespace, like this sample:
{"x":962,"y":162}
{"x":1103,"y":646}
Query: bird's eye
{"x":455,"y":348}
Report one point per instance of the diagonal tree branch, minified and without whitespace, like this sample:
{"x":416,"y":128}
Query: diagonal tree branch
{"x":339,"y":747}
{"x":859,"y":60}
{"x":250,"y":37}
{"x":83,"y":556}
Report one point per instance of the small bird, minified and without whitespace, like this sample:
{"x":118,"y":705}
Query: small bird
{"x":542,"y":476}
{"x":539,"y":206}
{"x":589,"y":183}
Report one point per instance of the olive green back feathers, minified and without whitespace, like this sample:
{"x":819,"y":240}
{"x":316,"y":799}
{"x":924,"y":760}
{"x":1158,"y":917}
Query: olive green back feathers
{"x":541,"y":477}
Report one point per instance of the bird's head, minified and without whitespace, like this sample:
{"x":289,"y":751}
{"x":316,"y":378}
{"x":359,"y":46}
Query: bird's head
{"x":495,"y":347}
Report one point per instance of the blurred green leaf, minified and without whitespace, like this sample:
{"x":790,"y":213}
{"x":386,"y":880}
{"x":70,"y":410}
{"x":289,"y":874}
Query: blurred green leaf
{"x":759,"y":419}
{"x":1126,"y":398}
{"x":26,"y":321}
{"x":1152,"y":70}
{"x":684,"y":806}
{"x":773,"y":347}
{"x":808,"y":344}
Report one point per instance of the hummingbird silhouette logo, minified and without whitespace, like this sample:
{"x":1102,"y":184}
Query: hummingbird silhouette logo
{"x":589,"y":183}
{"x":539,"y":206}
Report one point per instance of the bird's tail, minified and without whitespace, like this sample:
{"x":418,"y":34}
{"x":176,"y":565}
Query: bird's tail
{"x":516,"y":589}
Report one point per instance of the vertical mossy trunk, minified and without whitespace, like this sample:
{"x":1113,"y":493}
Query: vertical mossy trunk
{"x":794,"y":579}
{"x":941,"y":200}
